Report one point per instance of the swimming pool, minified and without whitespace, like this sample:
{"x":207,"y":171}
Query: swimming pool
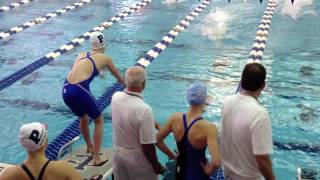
{"x":290,"y":58}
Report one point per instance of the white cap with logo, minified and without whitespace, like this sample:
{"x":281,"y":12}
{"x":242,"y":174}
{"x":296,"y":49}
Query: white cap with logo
{"x":97,"y":40}
{"x":33,"y":135}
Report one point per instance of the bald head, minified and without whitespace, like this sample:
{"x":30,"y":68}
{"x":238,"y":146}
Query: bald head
{"x":135,"y":77}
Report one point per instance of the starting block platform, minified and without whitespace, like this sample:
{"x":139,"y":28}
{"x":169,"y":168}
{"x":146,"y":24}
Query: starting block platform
{"x":82,"y":162}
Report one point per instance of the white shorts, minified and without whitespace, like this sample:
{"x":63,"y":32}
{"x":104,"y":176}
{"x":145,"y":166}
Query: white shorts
{"x":229,"y":175}
{"x":132,"y":165}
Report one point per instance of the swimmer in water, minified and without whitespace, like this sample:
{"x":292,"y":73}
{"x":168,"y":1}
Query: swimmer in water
{"x":306,"y":70}
{"x":77,"y":96}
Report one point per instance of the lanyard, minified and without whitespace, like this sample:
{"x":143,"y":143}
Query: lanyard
{"x":132,"y":94}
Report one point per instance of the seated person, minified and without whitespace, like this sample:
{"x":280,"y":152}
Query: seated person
{"x":34,"y":138}
{"x":193,"y":135}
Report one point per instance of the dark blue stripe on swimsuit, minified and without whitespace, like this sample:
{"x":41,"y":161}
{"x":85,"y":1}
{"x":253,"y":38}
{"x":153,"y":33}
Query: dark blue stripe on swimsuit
{"x":29,"y":173}
{"x":95,"y":72}
{"x":78,"y":96}
{"x":188,"y":163}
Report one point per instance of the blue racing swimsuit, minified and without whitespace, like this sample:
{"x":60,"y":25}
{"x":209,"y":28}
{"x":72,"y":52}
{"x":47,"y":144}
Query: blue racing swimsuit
{"x":78,"y":96}
{"x":188,"y":163}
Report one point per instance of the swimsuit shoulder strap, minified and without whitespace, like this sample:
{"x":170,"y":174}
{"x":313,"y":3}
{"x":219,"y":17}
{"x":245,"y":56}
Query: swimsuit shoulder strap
{"x":194,"y":121}
{"x":43,"y":169}
{"x":84,"y":57}
{"x":27,"y":171}
{"x":185,"y":125}
{"x":94,"y":64}
{"x":90,"y":58}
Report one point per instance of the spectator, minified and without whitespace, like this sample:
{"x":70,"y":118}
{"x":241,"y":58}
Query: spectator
{"x":134,"y":133}
{"x":246,"y":139}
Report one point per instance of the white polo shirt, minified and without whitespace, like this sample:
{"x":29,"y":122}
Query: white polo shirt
{"x":132,"y":120}
{"x":246,"y":132}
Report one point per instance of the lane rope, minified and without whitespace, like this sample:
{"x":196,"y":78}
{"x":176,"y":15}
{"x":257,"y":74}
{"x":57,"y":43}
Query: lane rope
{"x":14,"y":5}
{"x":39,"y":20}
{"x":262,"y":34}
{"x":260,"y":41}
{"x":11,"y":79}
{"x":256,"y":56}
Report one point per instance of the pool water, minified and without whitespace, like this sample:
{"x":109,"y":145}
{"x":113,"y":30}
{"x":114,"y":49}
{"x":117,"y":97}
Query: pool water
{"x":213,"y":50}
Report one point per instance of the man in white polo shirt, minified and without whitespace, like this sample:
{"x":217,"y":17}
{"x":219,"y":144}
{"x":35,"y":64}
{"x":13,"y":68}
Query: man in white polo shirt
{"x":246,"y":137}
{"x":134,"y":133}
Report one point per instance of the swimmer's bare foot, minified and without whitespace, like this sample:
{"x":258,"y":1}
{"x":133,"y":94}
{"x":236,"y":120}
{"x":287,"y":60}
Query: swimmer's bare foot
{"x":100,"y":162}
{"x":90,"y":151}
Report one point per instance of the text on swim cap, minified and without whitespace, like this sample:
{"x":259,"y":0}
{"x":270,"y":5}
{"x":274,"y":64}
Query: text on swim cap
{"x":34,"y":136}
{"x":100,"y":37}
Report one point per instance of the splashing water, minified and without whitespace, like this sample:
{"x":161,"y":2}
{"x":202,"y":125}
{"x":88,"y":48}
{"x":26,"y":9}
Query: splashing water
{"x":298,"y":8}
{"x":172,"y":2}
{"x":215,"y":25}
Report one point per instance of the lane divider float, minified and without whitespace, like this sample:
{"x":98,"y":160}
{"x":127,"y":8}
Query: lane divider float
{"x":14,"y":5}
{"x":262,"y":34}
{"x":260,"y":41}
{"x":39,"y":20}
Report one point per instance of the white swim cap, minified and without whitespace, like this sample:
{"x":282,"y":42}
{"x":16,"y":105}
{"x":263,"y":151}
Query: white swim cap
{"x":33,"y":135}
{"x":97,"y":40}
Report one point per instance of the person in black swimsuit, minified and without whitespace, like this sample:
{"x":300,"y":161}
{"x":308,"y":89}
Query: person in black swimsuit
{"x":194,"y":135}
{"x":34,"y":138}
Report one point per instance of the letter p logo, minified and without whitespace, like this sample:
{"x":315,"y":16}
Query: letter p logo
{"x":34,"y":136}
{"x":100,"y":37}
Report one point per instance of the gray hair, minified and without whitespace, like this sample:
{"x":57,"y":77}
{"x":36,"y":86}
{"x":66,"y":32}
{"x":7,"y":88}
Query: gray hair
{"x":135,"y":76}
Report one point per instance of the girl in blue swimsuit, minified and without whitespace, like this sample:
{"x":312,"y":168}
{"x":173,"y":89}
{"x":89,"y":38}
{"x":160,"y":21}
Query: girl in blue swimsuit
{"x":78,"y":97}
{"x":194,"y":135}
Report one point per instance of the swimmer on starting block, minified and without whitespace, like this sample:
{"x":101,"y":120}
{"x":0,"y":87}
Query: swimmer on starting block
{"x":77,"y":96}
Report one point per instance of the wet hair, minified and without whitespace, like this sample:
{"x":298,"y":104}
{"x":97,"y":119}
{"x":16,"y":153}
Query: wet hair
{"x":253,"y":77}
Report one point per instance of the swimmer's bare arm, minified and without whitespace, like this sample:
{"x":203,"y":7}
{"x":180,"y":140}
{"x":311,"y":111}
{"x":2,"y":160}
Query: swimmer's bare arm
{"x":212,"y":141}
{"x":63,"y":167}
{"x":112,"y":68}
{"x":10,"y":173}
{"x":162,"y":134}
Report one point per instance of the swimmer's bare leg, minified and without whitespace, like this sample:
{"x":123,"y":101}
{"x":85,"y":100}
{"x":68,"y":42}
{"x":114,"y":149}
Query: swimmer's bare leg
{"x":97,"y":140}
{"x":84,"y":129}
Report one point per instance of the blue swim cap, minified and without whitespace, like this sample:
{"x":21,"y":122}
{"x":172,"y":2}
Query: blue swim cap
{"x":197,"y":94}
